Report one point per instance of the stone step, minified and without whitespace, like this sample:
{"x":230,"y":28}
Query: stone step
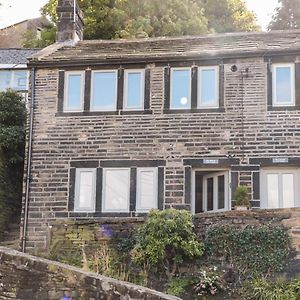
{"x":292,"y":270}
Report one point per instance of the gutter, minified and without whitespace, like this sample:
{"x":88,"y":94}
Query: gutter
{"x":29,"y":154}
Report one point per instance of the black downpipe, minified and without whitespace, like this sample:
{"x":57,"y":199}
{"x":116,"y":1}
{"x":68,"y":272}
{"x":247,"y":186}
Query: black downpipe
{"x":29,"y":153}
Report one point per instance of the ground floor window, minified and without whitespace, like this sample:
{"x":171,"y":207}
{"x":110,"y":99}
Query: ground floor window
{"x":280,"y":188}
{"x":115,"y":190}
{"x":211,"y":191}
{"x":85,"y":190}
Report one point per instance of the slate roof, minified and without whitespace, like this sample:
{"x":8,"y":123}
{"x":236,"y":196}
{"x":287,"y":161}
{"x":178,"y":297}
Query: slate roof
{"x":16,"y":56}
{"x":208,"y":46}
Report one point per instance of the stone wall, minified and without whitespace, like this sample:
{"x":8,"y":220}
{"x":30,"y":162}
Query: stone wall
{"x":245,"y":129}
{"x":26,"y":277}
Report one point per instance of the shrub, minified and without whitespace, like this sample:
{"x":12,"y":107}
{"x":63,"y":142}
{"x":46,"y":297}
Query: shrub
{"x":12,"y":140}
{"x":241,"y":196}
{"x":166,"y":239}
{"x":260,"y":249}
{"x":209,"y":282}
{"x":277,"y":289}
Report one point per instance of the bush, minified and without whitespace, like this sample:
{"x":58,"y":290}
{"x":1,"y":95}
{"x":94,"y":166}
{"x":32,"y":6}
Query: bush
{"x":241,"y":196}
{"x":251,"y":250}
{"x":165,"y":240}
{"x":209,"y":283}
{"x":277,"y":289}
{"x":12,"y":142}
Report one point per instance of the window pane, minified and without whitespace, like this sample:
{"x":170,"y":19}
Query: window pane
{"x":5,"y":80}
{"x":208,"y":87}
{"x":146,"y":190}
{"x":180,"y":89}
{"x":272,"y":188}
{"x":283,"y":85}
{"x":210,"y":194}
{"x":104,"y":91}
{"x":84,"y":200}
{"x":134,"y":95}
{"x":116,"y":190}
{"x":74,"y":93}
{"x":221,"y":192}
{"x":20,"y":80}
{"x":288,"y":190}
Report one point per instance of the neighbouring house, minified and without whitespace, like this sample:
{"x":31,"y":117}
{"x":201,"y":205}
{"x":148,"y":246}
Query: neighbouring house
{"x":12,"y":36}
{"x":121,"y":127}
{"x":14,"y":73}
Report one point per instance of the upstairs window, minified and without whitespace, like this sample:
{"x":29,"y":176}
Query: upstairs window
{"x":134,"y":89}
{"x":180,"y":92}
{"x":16,"y":80}
{"x":283,"y":85}
{"x":208,"y":87}
{"x":104,"y":90}
{"x":74,"y":92}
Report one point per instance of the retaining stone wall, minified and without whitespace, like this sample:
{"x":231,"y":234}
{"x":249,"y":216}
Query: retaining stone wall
{"x":26,"y":277}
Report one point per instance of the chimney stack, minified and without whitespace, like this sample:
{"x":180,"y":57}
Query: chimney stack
{"x":69,"y":21}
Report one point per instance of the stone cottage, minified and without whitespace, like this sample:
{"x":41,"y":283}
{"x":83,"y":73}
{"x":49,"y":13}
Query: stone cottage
{"x":121,"y":127}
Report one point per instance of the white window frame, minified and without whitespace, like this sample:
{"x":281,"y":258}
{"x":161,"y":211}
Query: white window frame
{"x":12,"y":79}
{"x":92,"y":106}
{"x":142,"y":86}
{"x":77,"y":190}
{"x":199,"y":100}
{"x":274,"y":77}
{"x":279,"y":171}
{"x":104,"y":189}
{"x":190,"y":86}
{"x":67,"y":75}
{"x":138,"y":189}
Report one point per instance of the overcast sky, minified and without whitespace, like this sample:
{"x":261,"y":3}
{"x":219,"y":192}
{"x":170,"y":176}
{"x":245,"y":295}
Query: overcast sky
{"x":13,"y":11}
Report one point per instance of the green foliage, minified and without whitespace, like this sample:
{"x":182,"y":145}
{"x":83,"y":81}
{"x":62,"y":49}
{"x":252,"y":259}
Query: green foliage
{"x":251,"y":250}
{"x":12,"y":140}
{"x":66,"y":252}
{"x":286,"y":15}
{"x":241,"y":196}
{"x":166,"y":239}
{"x":278,"y":289}
{"x":109,"y":19}
{"x":31,"y":40}
{"x":178,"y":285}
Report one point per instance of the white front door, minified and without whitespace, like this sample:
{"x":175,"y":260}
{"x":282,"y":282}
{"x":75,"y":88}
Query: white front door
{"x":215,"y":192}
{"x":280,"y":188}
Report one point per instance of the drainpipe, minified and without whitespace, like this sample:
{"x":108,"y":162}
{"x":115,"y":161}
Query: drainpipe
{"x":29,"y":153}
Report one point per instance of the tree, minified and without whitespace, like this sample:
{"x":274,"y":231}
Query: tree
{"x":47,"y":37}
{"x":229,"y":16}
{"x":109,"y":19}
{"x":286,"y":16}
{"x":12,"y":140}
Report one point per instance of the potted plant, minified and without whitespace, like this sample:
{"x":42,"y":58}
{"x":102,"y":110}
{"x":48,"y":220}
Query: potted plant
{"x":241,"y":198}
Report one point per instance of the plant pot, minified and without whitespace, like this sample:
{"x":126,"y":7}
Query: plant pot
{"x":241,"y":207}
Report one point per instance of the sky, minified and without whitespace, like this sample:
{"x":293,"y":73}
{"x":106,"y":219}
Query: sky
{"x":13,"y":11}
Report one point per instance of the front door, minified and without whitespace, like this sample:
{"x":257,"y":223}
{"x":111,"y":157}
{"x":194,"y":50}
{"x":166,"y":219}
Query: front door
{"x":215,"y":192}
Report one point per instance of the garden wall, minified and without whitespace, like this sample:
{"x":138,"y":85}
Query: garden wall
{"x":93,"y":231}
{"x":26,"y":277}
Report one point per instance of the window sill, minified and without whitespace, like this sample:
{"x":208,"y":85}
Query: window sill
{"x":103,"y":113}
{"x":282,"y":108}
{"x":194,"y":110}
{"x":73,"y":214}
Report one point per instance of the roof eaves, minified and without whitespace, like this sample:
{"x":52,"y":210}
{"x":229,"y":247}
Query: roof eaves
{"x":42,"y":54}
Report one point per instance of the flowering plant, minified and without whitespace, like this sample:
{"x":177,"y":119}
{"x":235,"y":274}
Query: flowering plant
{"x":209,"y":282}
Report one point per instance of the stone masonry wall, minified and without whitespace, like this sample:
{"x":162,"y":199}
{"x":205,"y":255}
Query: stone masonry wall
{"x":59,"y":140}
{"x":26,"y":277}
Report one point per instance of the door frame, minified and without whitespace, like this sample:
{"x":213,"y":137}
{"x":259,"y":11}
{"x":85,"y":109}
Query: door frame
{"x":213,"y":171}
